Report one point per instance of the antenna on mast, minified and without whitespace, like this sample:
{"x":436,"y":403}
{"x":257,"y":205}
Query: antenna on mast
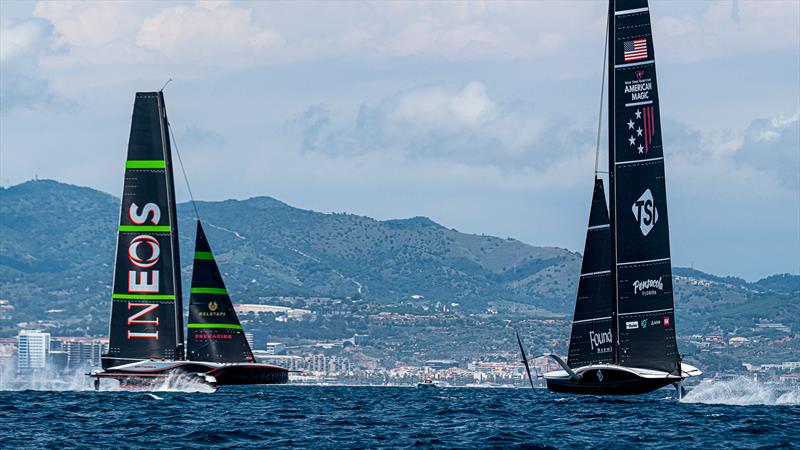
{"x":165,"y":85}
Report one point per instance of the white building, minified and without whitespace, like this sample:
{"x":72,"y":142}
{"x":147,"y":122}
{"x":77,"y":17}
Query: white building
{"x":33,"y":350}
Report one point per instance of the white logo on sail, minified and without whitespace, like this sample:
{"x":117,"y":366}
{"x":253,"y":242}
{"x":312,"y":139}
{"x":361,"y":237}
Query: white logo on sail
{"x":631,"y":325}
{"x":645,"y":212}
{"x":598,"y":339}
{"x":648,"y":287}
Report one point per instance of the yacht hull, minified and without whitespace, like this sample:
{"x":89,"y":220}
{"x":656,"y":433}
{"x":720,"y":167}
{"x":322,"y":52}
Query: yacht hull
{"x":607,"y":379}
{"x":149,"y":373}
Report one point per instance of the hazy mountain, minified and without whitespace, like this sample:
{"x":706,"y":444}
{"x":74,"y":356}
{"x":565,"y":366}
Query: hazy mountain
{"x":57,"y":245}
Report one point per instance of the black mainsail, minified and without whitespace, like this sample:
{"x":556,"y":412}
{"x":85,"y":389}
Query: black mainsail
{"x":215,"y":333}
{"x":146,"y":312}
{"x":591,"y":340}
{"x":641,"y":270}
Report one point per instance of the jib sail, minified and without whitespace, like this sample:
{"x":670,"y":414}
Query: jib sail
{"x":146,"y":309}
{"x":215,"y":333}
{"x":644,"y":322}
{"x":591,"y":340}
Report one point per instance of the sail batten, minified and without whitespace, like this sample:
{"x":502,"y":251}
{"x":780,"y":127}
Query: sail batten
{"x":215,"y":334}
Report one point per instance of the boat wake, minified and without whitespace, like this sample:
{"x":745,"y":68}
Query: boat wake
{"x":742,"y":391}
{"x":80,"y":382}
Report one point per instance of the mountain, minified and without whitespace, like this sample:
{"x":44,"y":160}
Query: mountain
{"x":57,"y":245}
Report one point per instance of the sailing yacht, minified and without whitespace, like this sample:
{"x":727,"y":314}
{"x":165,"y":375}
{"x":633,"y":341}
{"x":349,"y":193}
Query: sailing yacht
{"x":623,"y":331}
{"x":146,"y":338}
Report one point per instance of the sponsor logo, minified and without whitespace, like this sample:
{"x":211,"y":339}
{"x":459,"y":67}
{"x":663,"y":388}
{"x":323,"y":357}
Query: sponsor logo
{"x":600,"y":376}
{"x":213,"y":336}
{"x":212,"y":306}
{"x":645,"y":212}
{"x":644,"y":323}
{"x":631,"y":325}
{"x":655,"y":322}
{"x":648,"y":287}
{"x":665,"y":321}
{"x":143,"y":279}
{"x":598,"y":339}
{"x":642,"y":125}
{"x":133,"y":251}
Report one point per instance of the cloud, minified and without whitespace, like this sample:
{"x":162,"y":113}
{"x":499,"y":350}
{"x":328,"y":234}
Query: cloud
{"x":22,"y":45}
{"x":207,"y":30}
{"x":773,"y":146}
{"x":725,"y":28}
{"x":462,"y":125}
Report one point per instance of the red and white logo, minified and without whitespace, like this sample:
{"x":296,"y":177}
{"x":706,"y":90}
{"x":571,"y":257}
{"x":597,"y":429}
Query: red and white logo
{"x":665,"y":321}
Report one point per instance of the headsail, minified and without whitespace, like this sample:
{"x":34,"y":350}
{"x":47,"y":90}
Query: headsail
{"x":146,"y":309}
{"x":215,"y":333}
{"x":591,"y":340}
{"x":644,"y":325}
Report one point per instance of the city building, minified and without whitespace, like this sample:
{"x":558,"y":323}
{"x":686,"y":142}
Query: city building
{"x":275,"y":348}
{"x":249,"y":337}
{"x":33,"y":349}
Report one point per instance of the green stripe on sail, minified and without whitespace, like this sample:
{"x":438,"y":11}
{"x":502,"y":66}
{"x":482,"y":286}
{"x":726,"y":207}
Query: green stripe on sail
{"x":145,"y":164}
{"x":142,"y":297}
{"x":143,"y":228}
{"x":215,"y":325}
{"x":208,"y":256}
{"x":218,"y":291}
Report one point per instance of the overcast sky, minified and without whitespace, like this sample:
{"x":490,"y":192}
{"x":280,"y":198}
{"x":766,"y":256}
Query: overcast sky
{"x":479,"y":115}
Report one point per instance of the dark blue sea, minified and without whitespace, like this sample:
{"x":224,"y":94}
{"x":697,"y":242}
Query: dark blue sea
{"x":293,"y":416}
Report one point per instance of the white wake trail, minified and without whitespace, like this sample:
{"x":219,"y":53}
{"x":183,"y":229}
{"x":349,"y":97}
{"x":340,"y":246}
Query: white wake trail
{"x":743,"y":391}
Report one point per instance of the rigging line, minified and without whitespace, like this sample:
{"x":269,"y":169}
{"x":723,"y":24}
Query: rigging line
{"x":600,"y":114}
{"x":183,"y":170}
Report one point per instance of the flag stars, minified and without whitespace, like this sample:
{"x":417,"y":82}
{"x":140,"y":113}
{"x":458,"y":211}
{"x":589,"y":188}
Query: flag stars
{"x":639,"y":131}
{"x":630,"y":124}
{"x":640,"y":148}
{"x":632,"y":140}
{"x":638,"y":114}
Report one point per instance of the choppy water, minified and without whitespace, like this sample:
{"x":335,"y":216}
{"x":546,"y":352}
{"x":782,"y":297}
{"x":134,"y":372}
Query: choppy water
{"x":725,"y":414}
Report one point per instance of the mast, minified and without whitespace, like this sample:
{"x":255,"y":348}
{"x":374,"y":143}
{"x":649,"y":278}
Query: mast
{"x":145,"y":302}
{"x":174,"y":243}
{"x":612,"y":197}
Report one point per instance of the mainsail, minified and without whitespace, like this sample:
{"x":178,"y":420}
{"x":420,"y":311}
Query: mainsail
{"x":591,"y":341}
{"x":641,"y":270}
{"x":215,"y":333}
{"x":146,"y":311}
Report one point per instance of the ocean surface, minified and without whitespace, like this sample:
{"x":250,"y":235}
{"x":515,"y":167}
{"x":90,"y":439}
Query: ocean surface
{"x":727,"y":414}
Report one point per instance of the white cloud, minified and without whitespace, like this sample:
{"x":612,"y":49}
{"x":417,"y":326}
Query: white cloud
{"x":206,"y":31}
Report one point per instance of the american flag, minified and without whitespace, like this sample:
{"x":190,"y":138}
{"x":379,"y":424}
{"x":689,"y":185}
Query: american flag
{"x":635,"y":50}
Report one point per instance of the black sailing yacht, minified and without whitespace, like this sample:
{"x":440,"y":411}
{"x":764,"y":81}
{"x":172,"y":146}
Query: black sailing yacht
{"x":146,"y":340}
{"x":623,"y":332}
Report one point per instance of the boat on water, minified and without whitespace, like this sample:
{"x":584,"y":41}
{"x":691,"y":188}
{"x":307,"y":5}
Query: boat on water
{"x":427,"y":383}
{"x":623,"y":330}
{"x":146,"y":338}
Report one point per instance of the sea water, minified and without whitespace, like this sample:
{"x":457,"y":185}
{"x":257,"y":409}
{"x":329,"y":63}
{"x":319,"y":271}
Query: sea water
{"x":186,"y":414}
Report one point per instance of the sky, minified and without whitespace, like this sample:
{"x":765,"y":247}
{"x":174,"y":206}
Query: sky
{"x":479,"y":115}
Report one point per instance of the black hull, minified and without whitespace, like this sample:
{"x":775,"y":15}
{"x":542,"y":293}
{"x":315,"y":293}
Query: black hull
{"x":250,"y":375}
{"x":608,"y":382}
{"x":234,"y":374}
